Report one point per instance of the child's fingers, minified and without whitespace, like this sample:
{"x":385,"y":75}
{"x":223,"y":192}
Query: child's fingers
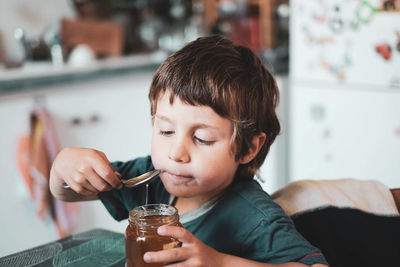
{"x":88,"y":187}
{"x":102,"y":166}
{"x":83,"y":188}
{"x":97,"y":181}
{"x":79,"y":183}
{"x":167,"y":256}
{"x":176,"y":232}
{"x":88,"y":193}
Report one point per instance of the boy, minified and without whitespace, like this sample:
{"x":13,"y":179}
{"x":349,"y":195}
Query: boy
{"x":213,"y":112}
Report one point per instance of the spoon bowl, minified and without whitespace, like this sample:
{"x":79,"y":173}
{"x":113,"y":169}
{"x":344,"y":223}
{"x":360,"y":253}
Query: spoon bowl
{"x":141,"y":179}
{"x":135,"y":181}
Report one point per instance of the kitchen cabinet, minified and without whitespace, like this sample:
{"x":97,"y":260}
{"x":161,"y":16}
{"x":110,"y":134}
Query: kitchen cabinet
{"x":111,"y":115}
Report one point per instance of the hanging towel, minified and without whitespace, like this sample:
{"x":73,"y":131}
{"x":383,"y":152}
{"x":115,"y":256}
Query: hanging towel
{"x":36,"y":153}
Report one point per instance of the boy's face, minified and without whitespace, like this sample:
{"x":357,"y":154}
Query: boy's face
{"x":191,"y":145}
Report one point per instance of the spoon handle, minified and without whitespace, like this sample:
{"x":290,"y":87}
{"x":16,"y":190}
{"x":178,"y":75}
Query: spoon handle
{"x":131,"y":182}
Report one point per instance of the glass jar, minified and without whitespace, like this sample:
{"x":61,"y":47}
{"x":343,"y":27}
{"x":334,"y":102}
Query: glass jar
{"x":141,"y":233}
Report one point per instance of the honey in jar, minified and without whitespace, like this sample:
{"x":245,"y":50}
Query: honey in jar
{"x":141,"y":234}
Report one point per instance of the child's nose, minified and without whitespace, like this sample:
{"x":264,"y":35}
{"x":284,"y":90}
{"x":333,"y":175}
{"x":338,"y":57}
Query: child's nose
{"x":178,"y":151}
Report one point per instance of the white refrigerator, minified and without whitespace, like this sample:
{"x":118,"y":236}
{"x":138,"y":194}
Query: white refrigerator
{"x":344,"y":90}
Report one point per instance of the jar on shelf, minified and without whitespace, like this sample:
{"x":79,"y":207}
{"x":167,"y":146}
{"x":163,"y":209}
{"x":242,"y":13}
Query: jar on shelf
{"x":141,"y":233}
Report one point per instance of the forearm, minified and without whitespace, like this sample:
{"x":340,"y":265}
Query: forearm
{"x":233,"y":261}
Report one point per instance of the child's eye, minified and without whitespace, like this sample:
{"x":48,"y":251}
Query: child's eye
{"x":203,"y":142}
{"x":166,"y":133}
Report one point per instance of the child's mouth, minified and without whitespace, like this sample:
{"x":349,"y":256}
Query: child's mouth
{"x":177,"y":177}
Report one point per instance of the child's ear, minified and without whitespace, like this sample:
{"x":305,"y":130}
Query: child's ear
{"x":256,"y":144}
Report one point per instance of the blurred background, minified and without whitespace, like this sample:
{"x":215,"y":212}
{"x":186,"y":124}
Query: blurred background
{"x":77,"y":73}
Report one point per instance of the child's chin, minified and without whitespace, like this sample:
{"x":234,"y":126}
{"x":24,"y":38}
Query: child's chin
{"x":178,"y":190}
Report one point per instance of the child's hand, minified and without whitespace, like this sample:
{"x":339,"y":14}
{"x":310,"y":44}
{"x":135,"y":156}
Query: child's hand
{"x":192,"y":253}
{"x":86,"y":171}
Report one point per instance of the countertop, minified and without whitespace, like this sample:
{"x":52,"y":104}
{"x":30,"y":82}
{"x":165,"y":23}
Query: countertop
{"x":39,"y":75}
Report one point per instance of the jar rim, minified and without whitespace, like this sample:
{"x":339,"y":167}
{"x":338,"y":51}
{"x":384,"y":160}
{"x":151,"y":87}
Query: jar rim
{"x":152,"y":209}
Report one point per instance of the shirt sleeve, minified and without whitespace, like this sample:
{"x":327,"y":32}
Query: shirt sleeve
{"x":120,"y":202}
{"x":275,"y":240}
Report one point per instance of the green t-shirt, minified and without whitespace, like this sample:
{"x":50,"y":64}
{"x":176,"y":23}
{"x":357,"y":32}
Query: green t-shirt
{"x":243,"y":221}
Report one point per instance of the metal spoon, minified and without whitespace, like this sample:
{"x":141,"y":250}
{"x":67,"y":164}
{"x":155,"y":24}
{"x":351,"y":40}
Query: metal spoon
{"x":135,"y":181}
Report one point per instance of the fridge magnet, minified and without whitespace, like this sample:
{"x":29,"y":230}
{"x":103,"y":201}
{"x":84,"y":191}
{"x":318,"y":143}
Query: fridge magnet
{"x":319,"y":18}
{"x":354,"y":25}
{"x":338,"y":69}
{"x":314,"y":39}
{"x":365,"y":12}
{"x":336,"y":23}
{"x":384,"y":50}
{"x":320,"y":40}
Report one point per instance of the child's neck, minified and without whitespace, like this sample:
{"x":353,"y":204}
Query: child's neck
{"x":184,"y":205}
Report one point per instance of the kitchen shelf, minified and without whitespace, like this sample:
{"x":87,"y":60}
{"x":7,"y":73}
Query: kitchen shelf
{"x":44,"y":74}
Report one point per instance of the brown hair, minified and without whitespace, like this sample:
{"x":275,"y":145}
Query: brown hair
{"x":232,"y":80}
